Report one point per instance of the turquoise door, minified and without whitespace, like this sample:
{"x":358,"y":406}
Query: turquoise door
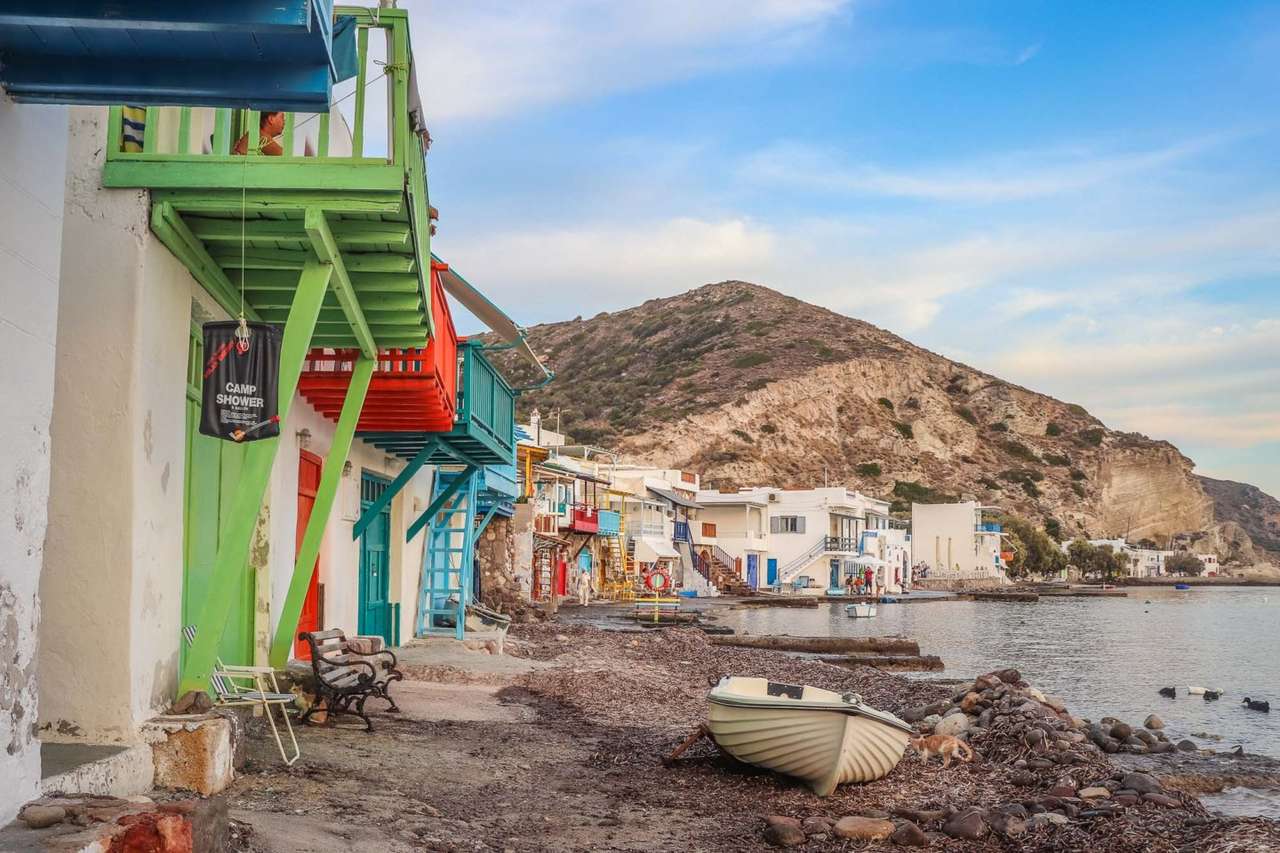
{"x":771,"y":575}
{"x":375,"y":573}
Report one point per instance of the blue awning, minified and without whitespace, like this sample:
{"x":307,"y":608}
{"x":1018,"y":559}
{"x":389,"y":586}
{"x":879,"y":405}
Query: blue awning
{"x":260,"y":54}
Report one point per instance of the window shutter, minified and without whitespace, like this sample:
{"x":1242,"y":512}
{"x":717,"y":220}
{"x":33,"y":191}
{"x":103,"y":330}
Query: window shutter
{"x":800,"y":524}
{"x":775,"y":524}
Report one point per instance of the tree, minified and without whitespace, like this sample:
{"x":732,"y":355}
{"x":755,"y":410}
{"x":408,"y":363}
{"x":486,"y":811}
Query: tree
{"x":1034,"y":552}
{"x":1183,"y":563}
{"x":1101,"y":560}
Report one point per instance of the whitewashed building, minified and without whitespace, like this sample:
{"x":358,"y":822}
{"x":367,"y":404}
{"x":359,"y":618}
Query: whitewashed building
{"x":815,"y":535}
{"x":953,"y":542}
{"x":734,"y":527}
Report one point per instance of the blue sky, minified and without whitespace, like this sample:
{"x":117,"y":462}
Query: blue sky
{"x":1083,"y":198}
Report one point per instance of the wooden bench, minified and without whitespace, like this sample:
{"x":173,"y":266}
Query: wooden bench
{"x":347,"y":678}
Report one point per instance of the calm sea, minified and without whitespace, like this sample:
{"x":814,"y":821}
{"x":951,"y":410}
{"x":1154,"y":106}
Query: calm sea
{"x":1103,"y":656}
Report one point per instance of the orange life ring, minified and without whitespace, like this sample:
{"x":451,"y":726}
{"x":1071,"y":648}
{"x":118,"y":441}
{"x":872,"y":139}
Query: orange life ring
{"x":657,"y":587}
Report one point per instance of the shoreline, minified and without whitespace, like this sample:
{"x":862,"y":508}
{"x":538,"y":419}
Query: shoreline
{"x":558,"y":746}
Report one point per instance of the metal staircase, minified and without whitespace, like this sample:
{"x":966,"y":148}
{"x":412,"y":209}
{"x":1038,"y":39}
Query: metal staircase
{"x":794,"y":567}
{"x":448,"y":559}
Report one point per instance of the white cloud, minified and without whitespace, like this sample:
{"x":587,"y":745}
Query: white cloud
{"x":1012,"y":176}
{"x":486,"y":59}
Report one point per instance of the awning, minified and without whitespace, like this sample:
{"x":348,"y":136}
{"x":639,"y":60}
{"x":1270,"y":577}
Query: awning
{"x":675,"y":498}
{"x":552,"y":468}
{"x":488,"y":313}
{"x":650,"y":549}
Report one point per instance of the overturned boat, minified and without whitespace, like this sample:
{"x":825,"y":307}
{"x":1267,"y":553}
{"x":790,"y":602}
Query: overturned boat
{"x":861,"y":610}
{"x":816,"y":735}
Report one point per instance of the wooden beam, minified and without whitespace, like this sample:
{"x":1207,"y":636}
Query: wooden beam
{"x":220,"y":199}
{"x":211,"y":172}
{"x":255,"y":474}
{"x":402,"y":479}
{"x":449,"y":491}
{"x":348,"y":232}
{"x":292,"y":259}
{"x":173,"y":232}
{"x":286,"y":281}
{"x":326,"y":249}
{"x":326,"y":491}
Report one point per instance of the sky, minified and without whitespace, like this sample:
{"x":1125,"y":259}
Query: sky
{"x":1082,"y":198}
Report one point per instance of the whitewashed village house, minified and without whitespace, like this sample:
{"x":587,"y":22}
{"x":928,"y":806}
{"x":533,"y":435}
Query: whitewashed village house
{"x":954,"y":542}
{"x":733,"y":537}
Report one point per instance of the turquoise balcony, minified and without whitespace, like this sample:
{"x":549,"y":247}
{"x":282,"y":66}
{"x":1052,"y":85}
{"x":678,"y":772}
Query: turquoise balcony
{"x":610,"y":523}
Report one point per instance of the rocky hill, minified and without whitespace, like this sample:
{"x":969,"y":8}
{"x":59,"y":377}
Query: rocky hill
{"x":749,"y":386}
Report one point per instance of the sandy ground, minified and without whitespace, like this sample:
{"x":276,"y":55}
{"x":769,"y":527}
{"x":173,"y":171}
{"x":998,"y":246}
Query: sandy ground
{"x":557,"y":747}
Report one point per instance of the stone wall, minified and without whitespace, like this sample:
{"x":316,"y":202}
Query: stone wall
{"x":496,"y":552}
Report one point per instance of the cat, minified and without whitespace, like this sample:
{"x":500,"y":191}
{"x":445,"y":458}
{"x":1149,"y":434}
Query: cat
{"x":944,"y":745}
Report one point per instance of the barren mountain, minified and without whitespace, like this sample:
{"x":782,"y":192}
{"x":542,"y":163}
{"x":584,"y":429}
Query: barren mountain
{"x":749,"y":387}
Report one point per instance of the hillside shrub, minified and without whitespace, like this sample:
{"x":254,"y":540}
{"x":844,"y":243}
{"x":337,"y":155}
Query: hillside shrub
{"x":1019,"y":450}
{"x":1092,"y":437}
{"x":999,"y":426}
{"x":1052,"y":429}
{"x":904,"y":429}
{"x":742,"y":434}
{"x":967,"y":413}
{"x":1077,"y":409}
{"x":990,"y":484}
{"x":1057,"y":459}
{"x":868,"y":469}
{"x":1077,"y":474}
{"x":1054,"y":528}
{"x":1078,"y":489}
{"x":768,"y":428}
{"x":751,"y":359}
{"x":886,"y":402}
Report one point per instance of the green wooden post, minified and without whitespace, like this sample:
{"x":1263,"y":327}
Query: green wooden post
{"x":322,"y":137}
{"x":184,"y":130}
{"x":402,"y":479}
{"x":222,"y":132}
{"x":233,"y":550}
{"x":330,"y":477}
{"x":150,"y":133}
{"x":357,"y":128}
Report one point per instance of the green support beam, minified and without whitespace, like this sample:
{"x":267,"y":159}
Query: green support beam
{"x":336,"y":199}
{"x":488,"y":517}
{"x":362,"y":282}
{"x":174,"y":233}
{"x":402,"y":479}
{"x":330,"y":478}
{"x":438,"y":503}
{"x":348,"y":233}
{"x":326,"y":249}
{"x":237,"y":531}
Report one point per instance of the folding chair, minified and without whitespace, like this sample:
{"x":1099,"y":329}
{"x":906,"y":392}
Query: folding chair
{"x":246,"y":686}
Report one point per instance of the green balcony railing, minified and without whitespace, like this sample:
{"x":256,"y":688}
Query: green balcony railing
{"x":486,"y":410}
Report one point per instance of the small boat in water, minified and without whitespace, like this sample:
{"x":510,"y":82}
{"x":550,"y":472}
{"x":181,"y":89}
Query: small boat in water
{"x":816,"y":735}
{"x":860,"y":610}
{"x":1182,"y":586}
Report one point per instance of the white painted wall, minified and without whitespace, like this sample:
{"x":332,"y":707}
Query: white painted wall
{"x":944,"y":537}
{"x":32,"y":180}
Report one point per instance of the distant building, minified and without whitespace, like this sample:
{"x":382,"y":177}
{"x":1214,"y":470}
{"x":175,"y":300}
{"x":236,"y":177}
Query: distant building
{"x":955,"y":542}
{"x":733,"y":535}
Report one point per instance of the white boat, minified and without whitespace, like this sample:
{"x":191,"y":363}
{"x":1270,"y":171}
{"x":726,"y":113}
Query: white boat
{"x":816,"y":735}
{"x":1200,"y":691}
{"x":861,"y":610}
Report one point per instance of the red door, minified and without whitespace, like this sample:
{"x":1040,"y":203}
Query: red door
{"x":308,"y":482}
{"x":562,"y":576}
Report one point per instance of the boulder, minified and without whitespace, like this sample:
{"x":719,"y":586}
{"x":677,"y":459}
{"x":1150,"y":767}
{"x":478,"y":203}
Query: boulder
{"x":970,"y":702}
{"x":1121,"y":731}
{"x":784,"y":835}
{"x":1160,"y":746}
{"x":1093,"y":793}
{"x":952,"y":725}
{"x":782,"y":820}
{"x":1141,"y":782}
{"x":39,"y":816}
{"x":1047,"y":819}
{"x":1010,"y":826}
{"x":863,"y":828}
{"x":1008,"y":676}
{"x":967,"y":824}
{"x":909,"y":835}
{"x":1153,"y":721}
{"x":918,"y":713}
{"x":1162,"y":800}
{"x":1055,"y":703}
{"x":1064,"y":788}
{"x":816,"y":825}
{"x":1025,"y":778}
{"x":1187,"y":746}
{"x":929,"y":723}
{"x":1015,"y":809}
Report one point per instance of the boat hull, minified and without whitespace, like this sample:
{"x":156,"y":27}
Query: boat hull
{"x":860,"y":611}
{"x":824,"y":747}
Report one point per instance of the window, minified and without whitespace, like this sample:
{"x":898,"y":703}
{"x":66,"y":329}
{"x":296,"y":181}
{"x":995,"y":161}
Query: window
{"x":708,"y":530}
{"x":786,"y":524}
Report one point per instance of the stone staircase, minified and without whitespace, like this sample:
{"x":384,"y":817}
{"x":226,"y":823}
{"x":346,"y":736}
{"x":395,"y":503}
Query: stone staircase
{"x":726,"y":578}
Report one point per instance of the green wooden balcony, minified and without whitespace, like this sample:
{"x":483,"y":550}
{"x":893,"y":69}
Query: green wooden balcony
{"x":483,"y":432}
{"x":346,"y":188}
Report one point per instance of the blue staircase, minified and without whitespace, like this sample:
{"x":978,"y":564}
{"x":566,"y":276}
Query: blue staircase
{"x":448,"y":560}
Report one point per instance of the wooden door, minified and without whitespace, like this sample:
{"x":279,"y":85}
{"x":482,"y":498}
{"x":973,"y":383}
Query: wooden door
{"x":375,"y":574}
{"x":309,"y":466}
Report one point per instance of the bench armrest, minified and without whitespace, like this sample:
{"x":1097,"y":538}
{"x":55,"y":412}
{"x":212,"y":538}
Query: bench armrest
{"x":246,"y":670}
{"x":378,"y":653}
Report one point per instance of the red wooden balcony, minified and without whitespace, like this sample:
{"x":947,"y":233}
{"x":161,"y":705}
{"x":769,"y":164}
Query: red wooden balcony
{"x":413,"y":390}
{"x":584,"y":519}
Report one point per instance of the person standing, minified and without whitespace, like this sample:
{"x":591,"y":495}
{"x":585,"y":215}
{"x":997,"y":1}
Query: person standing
{"x":584,"y":587}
